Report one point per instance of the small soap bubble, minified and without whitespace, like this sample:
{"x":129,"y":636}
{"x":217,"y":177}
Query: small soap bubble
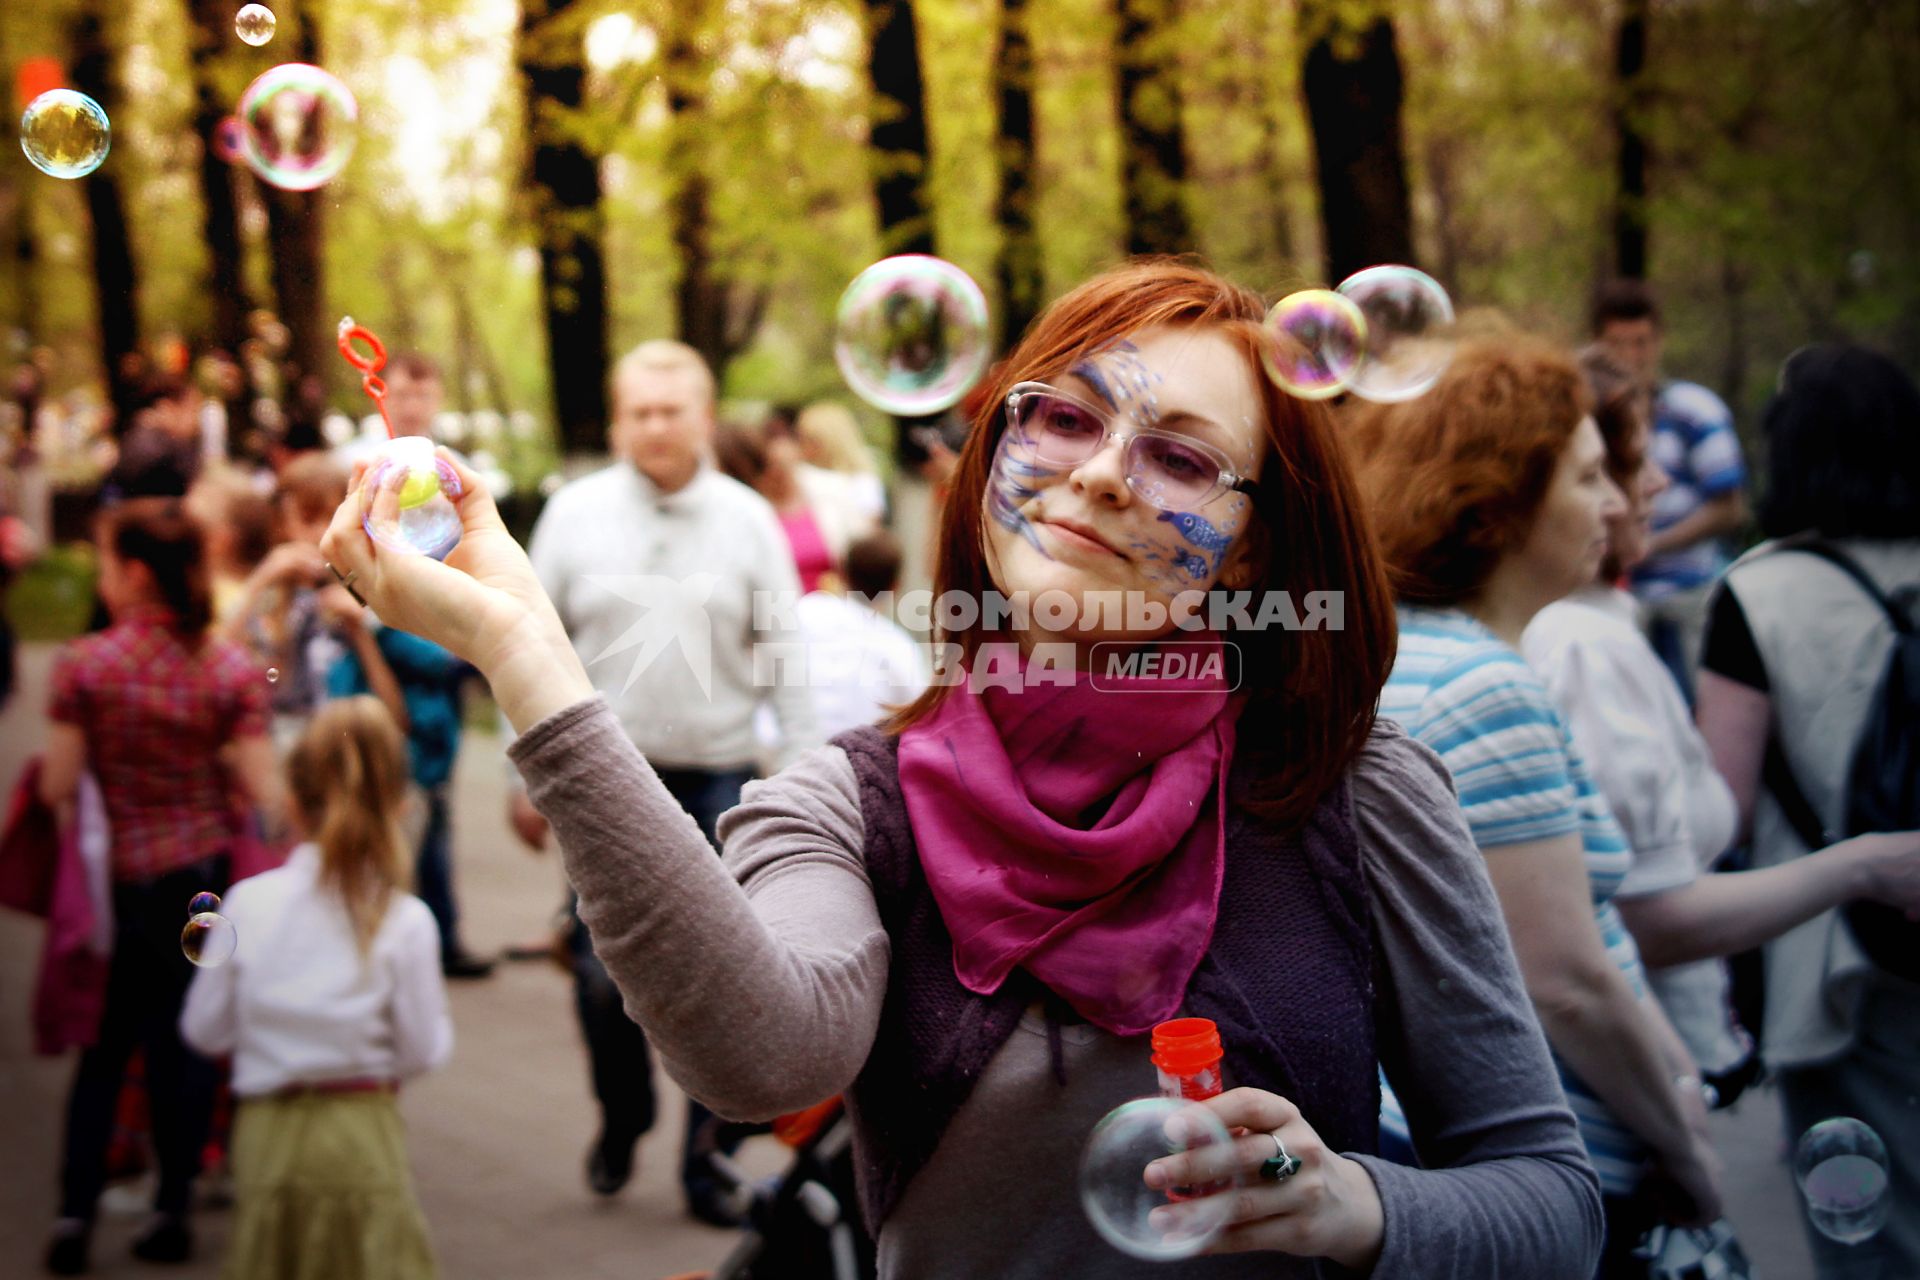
{"x":409,"y":499}
{"x":1409,"y":333}
{"x":1841,"y":1168}
{"x":230,"y":140}
{"x":1314,"y":340}
{"x":300,"y":123}
{"x":254,"y":24}
{"x":204,"y":901}
{"x":65,"y":133}
{"x":209,"y":939}
{"x":910,"y":335}
{"x":273,"y":675}
{"x":1138,"y":1220}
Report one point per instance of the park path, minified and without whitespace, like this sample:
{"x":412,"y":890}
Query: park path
{"x":498,"y":1137}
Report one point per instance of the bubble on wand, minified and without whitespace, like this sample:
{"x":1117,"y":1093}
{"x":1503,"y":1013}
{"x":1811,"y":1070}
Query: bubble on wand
{"x":409,"y":495}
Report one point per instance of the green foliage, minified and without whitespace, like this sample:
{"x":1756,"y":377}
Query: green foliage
{"x":53,"y":597}
{"x":1785,"y":176}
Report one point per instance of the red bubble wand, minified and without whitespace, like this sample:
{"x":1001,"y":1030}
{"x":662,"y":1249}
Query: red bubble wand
{"x":369,"y":365}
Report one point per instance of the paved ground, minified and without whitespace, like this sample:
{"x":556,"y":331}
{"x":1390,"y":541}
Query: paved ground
{"x":497,"y":1138}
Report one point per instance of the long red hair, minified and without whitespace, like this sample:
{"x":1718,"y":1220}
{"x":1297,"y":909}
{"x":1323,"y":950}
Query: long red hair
{"x":1311,"y":694}
{"x":1455,"y":478}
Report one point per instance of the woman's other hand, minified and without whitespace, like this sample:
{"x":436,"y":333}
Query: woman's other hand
{"x":484,"y":604}
{"x":1329,"y":1208}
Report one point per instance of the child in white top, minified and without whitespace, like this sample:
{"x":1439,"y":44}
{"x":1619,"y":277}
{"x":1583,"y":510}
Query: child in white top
{"x":333,"y":996}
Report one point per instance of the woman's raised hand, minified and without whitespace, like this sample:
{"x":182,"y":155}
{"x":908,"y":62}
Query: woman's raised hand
{"x":1327,"y":1208}
{"x":484,"y":604}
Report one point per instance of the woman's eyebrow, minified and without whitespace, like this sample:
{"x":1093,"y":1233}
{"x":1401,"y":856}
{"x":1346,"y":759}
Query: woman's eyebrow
{"x":1089,"y":377}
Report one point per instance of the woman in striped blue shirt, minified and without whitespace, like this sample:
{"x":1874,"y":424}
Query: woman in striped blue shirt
{"x":1490,"y":496}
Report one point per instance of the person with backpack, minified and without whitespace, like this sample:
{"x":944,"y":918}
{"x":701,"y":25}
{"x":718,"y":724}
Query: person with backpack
{"x":1810,"y":703}
{"x":1630,"y":719}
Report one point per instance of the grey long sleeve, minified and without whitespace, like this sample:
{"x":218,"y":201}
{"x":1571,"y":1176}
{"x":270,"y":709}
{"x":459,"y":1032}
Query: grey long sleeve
{"x":1508,"y":1190}
{"x":759,"y":1002}
{"x":790,"y":1016}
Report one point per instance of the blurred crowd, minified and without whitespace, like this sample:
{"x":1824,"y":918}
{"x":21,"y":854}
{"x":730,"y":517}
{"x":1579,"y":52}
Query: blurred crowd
{"x":240,"y":722}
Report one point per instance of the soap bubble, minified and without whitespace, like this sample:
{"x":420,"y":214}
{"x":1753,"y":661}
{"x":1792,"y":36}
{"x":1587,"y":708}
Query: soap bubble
{"x":911,"y":335}
{"x":204,"y":901}
{"x":1131,"y":1216}
{"x":230,"y":139}
{"x":299,"y":126}
{"x":65,"y":133}
{"x":273,"y":675}
{"x":254,"y":24}
{"x":1841,"y":1168}
{"x":1409,"y":333}
{"x":1313,"y":343}
{"x":209,"y":939}
{"x":409,"y":497}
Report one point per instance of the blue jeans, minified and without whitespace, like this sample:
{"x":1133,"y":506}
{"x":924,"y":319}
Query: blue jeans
{"x":622,"y":1070}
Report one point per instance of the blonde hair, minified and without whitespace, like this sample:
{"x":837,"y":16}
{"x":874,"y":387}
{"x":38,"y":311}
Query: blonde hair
{"x":664,"y":355}
{"x":348,"y":774}
{"x":835,"y":432}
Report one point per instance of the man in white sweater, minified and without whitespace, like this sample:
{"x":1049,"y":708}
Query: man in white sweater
{"x":655,"y":563}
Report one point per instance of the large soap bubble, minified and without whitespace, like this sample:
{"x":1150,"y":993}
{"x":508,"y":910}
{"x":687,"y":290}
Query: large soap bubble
{"x":1841,"y":1167}
{"x":911,"y":335}
{"x":410,"y":499}
{"x":1409,"y":332}
{"x":65,"y":133}
{"x":1131,"y":1216}
{"x":300,"y":123}
{"x":1313,"y":343}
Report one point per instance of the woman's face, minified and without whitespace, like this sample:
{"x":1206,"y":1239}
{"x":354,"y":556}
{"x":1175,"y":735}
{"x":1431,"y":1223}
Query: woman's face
{"x":1082,"y":529}
{"x":1629,"y":533}
{"x":783,"y":453}
{"x":1569,"y":536}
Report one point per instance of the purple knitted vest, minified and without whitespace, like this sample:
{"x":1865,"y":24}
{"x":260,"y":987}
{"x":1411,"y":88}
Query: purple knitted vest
{"x":1288,"y":978}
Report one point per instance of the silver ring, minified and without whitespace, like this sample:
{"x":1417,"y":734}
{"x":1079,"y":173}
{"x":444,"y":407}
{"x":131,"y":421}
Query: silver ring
{"x":1280,"y":1166}
{"x":346,"y":580}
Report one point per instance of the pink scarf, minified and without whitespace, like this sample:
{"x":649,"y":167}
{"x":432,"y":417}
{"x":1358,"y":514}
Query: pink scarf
{"x":1077,"y":832}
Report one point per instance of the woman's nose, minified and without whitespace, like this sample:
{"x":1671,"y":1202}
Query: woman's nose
{"x":1104,"y":475}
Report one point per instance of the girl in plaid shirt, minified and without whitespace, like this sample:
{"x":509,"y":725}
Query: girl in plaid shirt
{"x":171,"y":722}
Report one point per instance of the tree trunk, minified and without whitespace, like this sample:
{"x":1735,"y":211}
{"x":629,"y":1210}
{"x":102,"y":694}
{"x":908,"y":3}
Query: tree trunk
{"x":296,"y":241}
{"x":115,"y":282}
{"x":897,"y":135}
{"x":717,"y":316}
{"x":225,"y":283}
{"x":1352,"y":83}
{"x":899,"y":159}
{"x":1630,"y":196}
{"x":1153,"y":158}
{"x":1018,"y":265}
{"x":564,"y":180}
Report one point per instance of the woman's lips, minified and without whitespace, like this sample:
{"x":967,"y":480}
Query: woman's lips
{"x":1078,"y":536}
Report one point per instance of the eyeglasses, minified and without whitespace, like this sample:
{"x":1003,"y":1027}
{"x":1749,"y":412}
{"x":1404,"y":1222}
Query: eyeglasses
{"x":1169,"y":470}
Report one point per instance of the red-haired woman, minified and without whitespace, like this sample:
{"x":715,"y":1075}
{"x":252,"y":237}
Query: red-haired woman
{"x":969,"y":920}
{"x":164,"y":716}
{"x":1492,"y":499}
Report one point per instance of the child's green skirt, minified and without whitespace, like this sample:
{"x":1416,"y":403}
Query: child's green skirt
{"x":322,"y":1191}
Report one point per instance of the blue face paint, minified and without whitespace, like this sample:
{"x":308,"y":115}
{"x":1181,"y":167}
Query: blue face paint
{"x":1195,"y":529}
{"x":1088,"y":372}
{"x":1012,"y":486}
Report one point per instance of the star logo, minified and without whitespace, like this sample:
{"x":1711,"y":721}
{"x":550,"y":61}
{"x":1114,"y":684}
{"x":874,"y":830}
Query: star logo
{"x":671,"y":610}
